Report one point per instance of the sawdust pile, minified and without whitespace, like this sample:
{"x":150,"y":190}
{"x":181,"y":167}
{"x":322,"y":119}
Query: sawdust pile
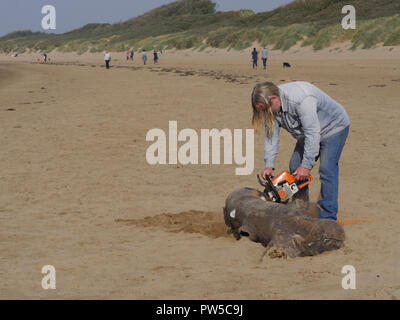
{"x":210,"y":224}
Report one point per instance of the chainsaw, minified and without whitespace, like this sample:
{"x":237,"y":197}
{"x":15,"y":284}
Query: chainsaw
{"x":283,"y":187}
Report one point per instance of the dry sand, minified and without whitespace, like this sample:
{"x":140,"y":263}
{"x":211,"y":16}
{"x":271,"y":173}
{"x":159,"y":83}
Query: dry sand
{"x":77,"y":193}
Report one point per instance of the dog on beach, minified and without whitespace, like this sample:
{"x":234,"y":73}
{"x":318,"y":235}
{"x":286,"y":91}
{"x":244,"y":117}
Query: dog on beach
{"x":286,"y":65}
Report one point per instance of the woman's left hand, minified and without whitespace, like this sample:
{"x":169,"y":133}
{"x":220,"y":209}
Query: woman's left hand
{"x":302,"y":173}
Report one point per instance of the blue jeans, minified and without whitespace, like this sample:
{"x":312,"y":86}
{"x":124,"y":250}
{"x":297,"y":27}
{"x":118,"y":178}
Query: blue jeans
{"x":329,"y":154}
{"x":264,"y":62}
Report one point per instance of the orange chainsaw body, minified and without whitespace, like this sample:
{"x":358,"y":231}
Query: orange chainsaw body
{"x":283,"y":187}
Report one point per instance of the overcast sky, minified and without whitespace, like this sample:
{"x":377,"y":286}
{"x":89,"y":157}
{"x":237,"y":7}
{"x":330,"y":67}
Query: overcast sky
{"x":72,"y":14}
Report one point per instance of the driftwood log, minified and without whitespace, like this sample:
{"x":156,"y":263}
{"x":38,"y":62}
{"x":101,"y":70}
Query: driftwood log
{"x":284,"y":229}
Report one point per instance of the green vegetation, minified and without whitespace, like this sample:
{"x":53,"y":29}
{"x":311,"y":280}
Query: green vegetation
{"x":195,"y":24}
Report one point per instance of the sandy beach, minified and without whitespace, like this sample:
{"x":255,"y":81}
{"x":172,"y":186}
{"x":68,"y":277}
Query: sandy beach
{"x":76,"y":191}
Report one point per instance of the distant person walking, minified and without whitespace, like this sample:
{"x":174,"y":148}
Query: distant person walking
{"x":127,"y":54}
{"x":107,"y":59}
{"x":144,"y":56}
{"x":132,"y":54}
{"x":155,"y":54}
{"x":264,"y":54}
{"x":254,"y":57}
{"x":45,"y":57}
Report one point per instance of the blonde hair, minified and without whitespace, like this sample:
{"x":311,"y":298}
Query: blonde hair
{"x":259,"y":96}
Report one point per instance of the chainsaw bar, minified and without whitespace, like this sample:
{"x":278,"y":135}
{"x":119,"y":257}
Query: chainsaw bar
{"x":269,"y":187}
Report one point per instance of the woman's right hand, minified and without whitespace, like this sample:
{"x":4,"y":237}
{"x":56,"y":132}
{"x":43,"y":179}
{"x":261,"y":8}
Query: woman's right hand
{"x":267,"y":172}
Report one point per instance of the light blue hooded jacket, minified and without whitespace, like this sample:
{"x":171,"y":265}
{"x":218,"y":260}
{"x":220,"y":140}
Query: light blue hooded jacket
{"x":307,"y":113}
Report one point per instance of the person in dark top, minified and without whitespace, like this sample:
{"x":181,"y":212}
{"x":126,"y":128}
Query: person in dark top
{"x":132,"y":54}
{"x":254,"y":57}
{"x":155,"y":53}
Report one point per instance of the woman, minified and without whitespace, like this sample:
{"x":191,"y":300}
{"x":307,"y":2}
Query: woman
{"x":144,"y":56}
{"x":318,"y":123}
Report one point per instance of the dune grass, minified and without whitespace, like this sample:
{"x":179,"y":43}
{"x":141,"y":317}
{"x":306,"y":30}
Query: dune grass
{"x":195,"y":24}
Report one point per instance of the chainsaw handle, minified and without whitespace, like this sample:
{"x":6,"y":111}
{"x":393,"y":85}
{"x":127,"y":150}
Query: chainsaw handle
{"x":261,"y":182}
{"x":305,"y":183}
{"x":261,"y":179}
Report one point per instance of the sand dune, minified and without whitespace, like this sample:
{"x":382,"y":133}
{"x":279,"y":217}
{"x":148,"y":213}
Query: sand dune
{"x":77,"y":192}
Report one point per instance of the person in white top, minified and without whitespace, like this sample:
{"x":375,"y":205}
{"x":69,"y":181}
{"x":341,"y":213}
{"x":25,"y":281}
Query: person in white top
{"x":144,"y":56}
{"x":107,"y":59}
{"x":264,"y":54}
